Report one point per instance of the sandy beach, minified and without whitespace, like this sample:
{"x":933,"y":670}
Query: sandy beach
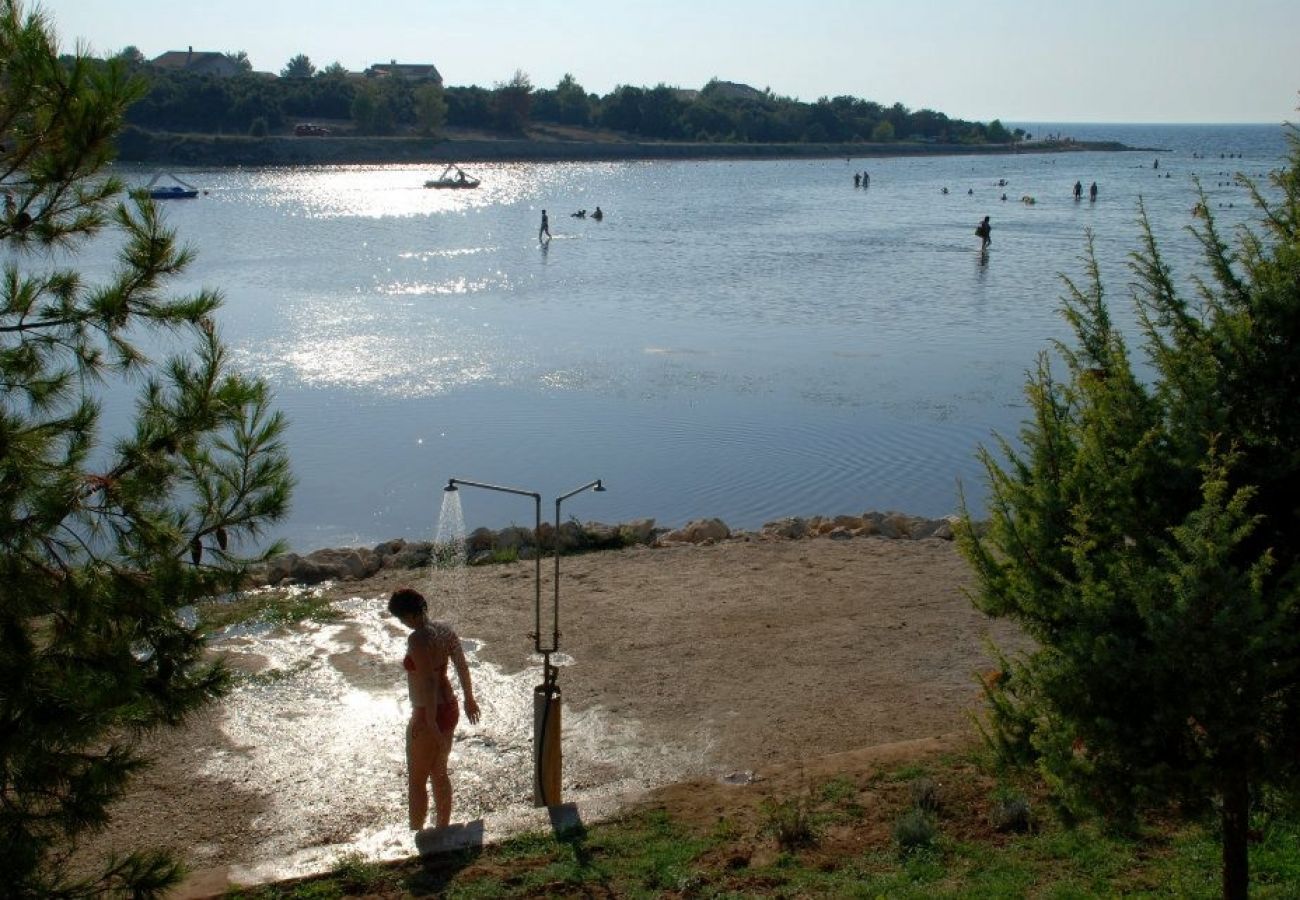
{"x":677,"y":663}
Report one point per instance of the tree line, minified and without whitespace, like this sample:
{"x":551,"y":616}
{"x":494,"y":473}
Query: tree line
{"x":249,"y":103}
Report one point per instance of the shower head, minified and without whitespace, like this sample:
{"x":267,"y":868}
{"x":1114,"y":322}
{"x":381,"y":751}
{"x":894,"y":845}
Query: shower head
{"x":451,"y":485}
{"x":600,"y":487}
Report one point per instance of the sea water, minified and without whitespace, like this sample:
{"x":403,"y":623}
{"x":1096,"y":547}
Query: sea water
{"x":746,"y":340}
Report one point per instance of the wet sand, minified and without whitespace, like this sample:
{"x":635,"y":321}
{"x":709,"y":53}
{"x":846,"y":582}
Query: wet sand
{"x":676,"y":663}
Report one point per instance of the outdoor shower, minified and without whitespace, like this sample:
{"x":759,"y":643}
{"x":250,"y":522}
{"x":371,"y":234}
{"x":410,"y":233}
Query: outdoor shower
{"x":547,"y":753}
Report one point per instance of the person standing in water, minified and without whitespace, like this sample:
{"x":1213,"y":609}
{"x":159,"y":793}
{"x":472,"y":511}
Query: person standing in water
{"x":1078,"y":190}
{"x":429,"y":647}
{"x":545,"y":229}
{"x":1092,"y":193}
{"x":984,"y":231}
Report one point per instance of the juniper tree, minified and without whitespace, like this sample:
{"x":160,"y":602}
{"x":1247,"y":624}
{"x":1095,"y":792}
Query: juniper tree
{"x":104,"y":534}
{"x":1147,"y":537}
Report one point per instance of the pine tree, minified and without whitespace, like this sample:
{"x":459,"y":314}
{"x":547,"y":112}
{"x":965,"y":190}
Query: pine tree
{"x":103,"y":536}
{"x":1147,"y":537}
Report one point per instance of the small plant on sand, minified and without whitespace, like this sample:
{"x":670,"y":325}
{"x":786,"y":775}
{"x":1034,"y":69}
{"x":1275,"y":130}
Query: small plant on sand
{"x":914,"y":831}
{"x":838,"y":789}
{"x":925,"y":794}
{"x":357,"y":875}
{"x":1010,"y":812}
{"x":790,"y":821}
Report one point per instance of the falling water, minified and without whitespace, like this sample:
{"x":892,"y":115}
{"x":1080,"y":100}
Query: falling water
{"x":450,"y":557}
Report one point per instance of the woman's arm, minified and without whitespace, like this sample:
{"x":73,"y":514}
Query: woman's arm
{"x":462,"y":675}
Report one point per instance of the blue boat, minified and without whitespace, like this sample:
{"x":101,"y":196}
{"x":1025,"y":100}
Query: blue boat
{"x":178,"y":191}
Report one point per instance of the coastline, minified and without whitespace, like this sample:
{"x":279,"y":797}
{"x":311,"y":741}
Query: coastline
{"x":162,"y":148}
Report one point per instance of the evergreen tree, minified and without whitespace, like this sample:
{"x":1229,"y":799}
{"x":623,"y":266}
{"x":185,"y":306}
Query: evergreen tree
{"x":298,"y":67}
{"x":1147,"y":537}
{"x":572,"y":102}
{"x":103,"y":537}
{"x":512,"y":101}
{"x":430,"y":108}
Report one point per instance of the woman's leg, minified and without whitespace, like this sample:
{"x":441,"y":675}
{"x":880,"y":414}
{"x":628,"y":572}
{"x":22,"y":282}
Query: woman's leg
{"x":441,"y":781}
{"x":421,"y":751}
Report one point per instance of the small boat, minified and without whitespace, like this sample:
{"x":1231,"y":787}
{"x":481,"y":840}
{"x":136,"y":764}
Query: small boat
{"x":458,"y":180}
{"x":178,"y":191}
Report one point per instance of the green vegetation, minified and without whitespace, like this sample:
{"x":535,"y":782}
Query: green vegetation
{"x":720,"y":112}
{"x":1147,"y":538}
{"x":271,"y":606}
{"x":103,"y":537}
{"x":955,"y":853}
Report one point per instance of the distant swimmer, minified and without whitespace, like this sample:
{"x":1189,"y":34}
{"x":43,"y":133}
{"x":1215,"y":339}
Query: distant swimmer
{"x":984,"y":232}
{"x":944,"y":191}
{"x":1078,"y":190}
{"x":1156,"y":164}
{"x":866,"y":180}
{"x":546,"y":227}
{"x":857,"y":180}
{"x":1092,"y":192}
{"x":598,"y":215}
{"x":580,"y":214}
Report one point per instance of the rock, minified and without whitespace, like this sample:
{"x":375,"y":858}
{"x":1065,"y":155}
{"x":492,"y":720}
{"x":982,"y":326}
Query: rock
{"x":274,"y":570}
{"x":897,"y":525}
{"x":601,"y":535}
{"x":852,"y":523}
{"x":413,"y":555}
{"x":479,"y":539}
{"x":699,"y":531}
{"x":572,"y":537}
{"x":388,"y":548}
{"x":640,"y":531}
{"x":943,"y":529}
{"x":922,"y":528}
{"x":791,"y":528}
{"x":840,"y":533}
{"x":515,"y":538}
{"x":344,"y":563}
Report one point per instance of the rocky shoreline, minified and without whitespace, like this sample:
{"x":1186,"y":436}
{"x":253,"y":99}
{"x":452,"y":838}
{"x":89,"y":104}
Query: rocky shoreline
{"x":166,"y":148}
{"x":484,"y":545}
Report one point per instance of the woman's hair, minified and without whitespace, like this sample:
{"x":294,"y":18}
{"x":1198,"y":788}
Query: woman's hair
{"x":406,"y":601}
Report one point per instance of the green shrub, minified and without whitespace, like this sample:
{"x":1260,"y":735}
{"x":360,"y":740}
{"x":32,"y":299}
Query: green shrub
{"x":925,"y":795}
{"x":1011,"y":812}
{"x":790,"y":822}
{"x":914,"y":831}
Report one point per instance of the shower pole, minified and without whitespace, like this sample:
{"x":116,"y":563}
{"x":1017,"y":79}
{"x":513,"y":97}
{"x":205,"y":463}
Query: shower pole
{"x":547,"y":752}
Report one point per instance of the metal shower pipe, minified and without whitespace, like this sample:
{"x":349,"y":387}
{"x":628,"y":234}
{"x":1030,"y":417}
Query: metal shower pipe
{"x":546,"y":696}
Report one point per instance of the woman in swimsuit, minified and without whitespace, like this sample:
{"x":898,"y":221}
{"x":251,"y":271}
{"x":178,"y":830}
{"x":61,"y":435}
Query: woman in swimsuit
{"x":429,"y":647}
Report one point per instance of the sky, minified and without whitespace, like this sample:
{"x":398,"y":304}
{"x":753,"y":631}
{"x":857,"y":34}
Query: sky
{"x":1015,"y":60}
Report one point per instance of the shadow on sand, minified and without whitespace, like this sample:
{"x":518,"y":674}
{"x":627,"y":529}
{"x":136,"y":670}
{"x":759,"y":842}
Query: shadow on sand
{"x":446,"y":852}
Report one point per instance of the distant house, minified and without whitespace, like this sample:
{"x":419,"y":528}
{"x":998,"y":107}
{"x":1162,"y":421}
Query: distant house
{"x":204,"y":62}
{"x":732,"y":90}
{"x":405,"y":71}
